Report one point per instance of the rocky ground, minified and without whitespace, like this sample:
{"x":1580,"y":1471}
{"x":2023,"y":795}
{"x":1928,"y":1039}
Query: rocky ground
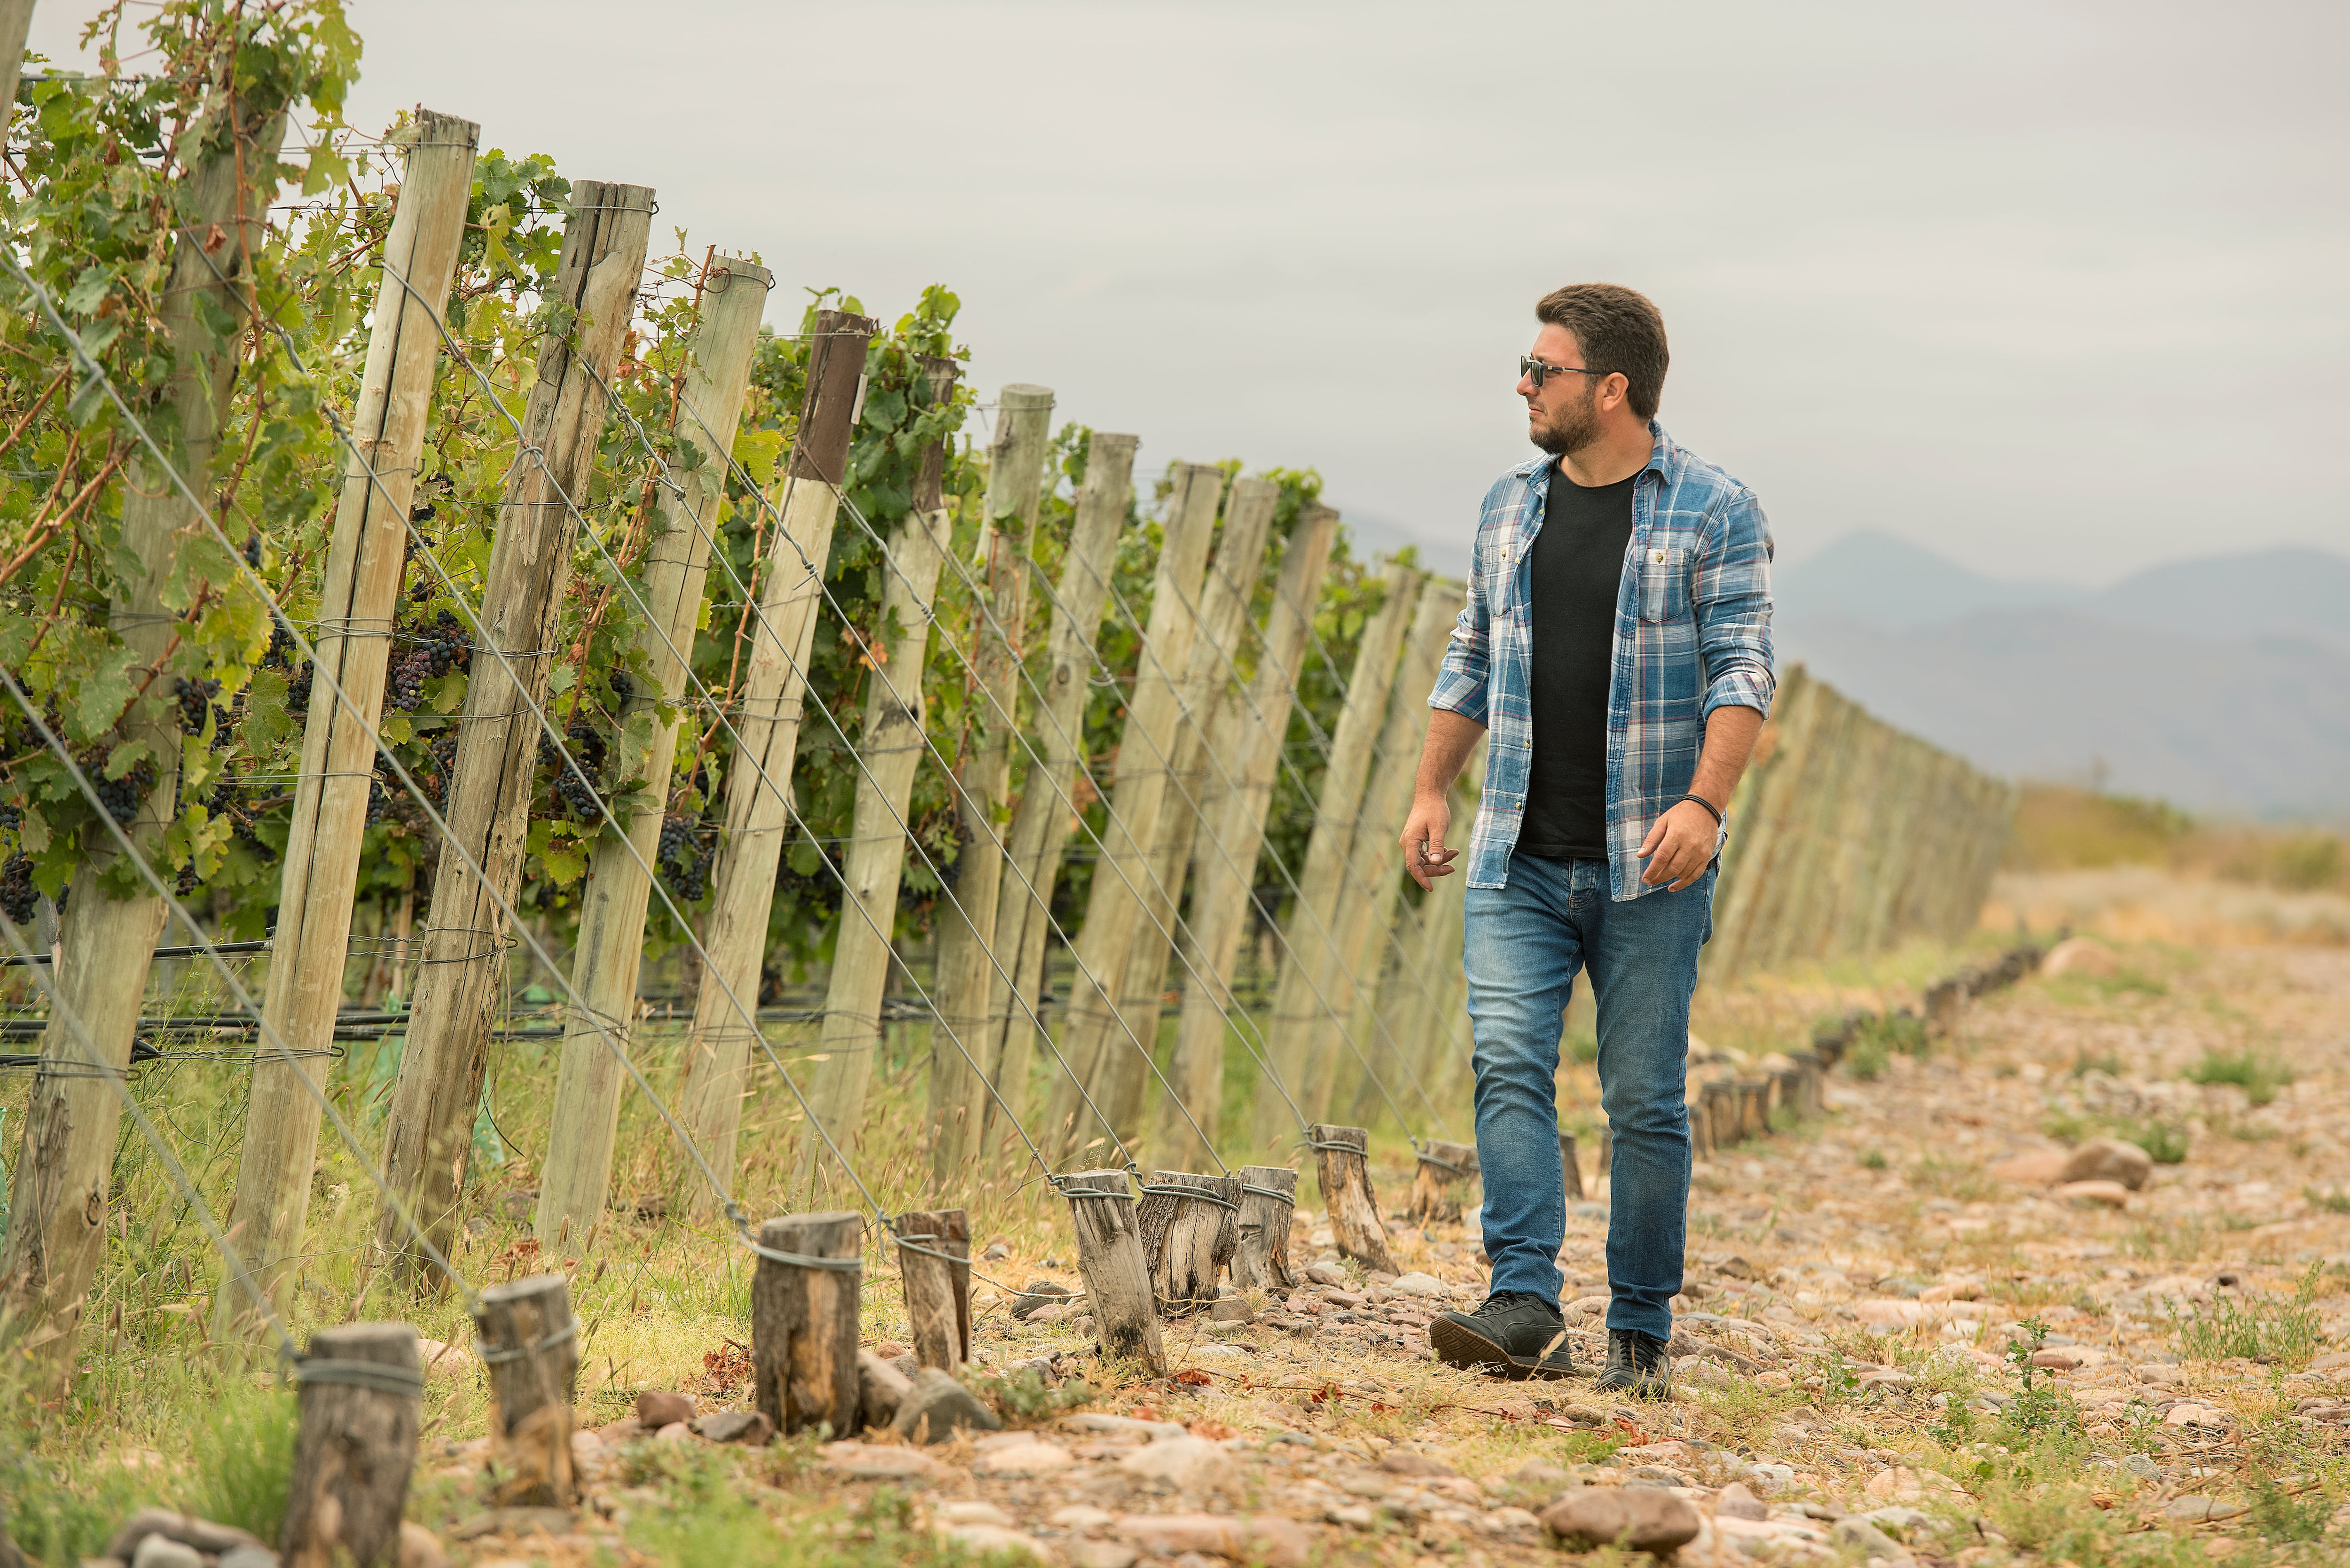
{"x":1953,"y":1320}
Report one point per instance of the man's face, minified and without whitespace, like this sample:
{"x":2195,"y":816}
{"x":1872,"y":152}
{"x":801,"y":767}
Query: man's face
{"x":1563,"y":414}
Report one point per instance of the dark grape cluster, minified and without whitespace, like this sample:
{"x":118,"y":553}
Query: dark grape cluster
{"x":578,"y":800}
{"x":297,"y":689}
{"x":19,"y":898}
{"x":196,"y":699}
{"x":280,"y":653}
{"x":441,"y":767}
{"x":253,"y":549}
{"x":383,"y":792}
{"x":431,"y":651}
{"x":120,"y":797}
{"x":685,"y":858}
{"x":186,"y":882}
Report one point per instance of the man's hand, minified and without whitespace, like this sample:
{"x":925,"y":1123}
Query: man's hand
{"x":1678,"y":847}
{"x":1424,"y":855}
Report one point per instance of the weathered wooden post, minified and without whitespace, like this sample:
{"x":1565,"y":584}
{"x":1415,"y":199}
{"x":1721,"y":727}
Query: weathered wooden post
{"x":1570,"y":1163}
{"x":804,"y":1301}
{"x":1190,"y":1226}
{"x":1095,"y":1041}
{"x":16,"y":23}
{"x":530,"y":1343}
{"x":1261,"y":1255}
{"x":976,"y":1123}
{"x":1303,"y":1040}
{"x":612,"y":902}
{"x":968,"y":993}
{"x":357,"y":610}
{"x":892,"y":745}
{"x":1230,"y":582}
{"x":1606,"y":1151}
{"x":767,"y":725}
{"x":1346,"y":1178}
{"x":1233,"y":805}
{"x":1109,"y":1256}
{"x":1443,"y":1170}
{"x":429,"y":1138}
{"x":105,"y":945}
{"x":361,"y":1391}
{"x":1372,"y":1053}
{"x":938,"y":1288}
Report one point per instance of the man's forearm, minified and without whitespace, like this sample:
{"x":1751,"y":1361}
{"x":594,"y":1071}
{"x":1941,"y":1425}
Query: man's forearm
{"x":1450,"y":738}
{"x":1729,"y":732}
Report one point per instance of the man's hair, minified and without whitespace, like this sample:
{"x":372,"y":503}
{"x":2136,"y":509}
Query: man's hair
{"x":1618,"y":330}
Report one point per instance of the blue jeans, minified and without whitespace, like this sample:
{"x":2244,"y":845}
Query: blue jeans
{"x":1522,"y":948}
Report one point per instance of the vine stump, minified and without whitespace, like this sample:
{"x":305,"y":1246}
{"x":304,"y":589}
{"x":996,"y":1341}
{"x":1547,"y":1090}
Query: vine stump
{"x":1109,"y":1256}
{"x":1190,"y":1226}
{"x":803,"y":1321}
{"x":1268,"y":1200}
{"x":530,"y":1343}
{"x":937,"y":1290}
{"x":1570,"y":1165}
{"x":360,"y":1392}
{"x":1444,"y":1169}
{"x":1346,"y":1178}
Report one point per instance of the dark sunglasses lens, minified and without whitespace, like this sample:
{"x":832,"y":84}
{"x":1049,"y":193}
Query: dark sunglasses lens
{"x":1535,"y":368}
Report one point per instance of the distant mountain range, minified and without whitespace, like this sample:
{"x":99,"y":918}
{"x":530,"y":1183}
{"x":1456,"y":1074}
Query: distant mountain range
{"x":2220,"y":684}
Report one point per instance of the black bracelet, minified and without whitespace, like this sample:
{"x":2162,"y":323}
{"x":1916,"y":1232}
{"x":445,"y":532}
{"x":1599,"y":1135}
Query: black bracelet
{"x":1705,"y":803}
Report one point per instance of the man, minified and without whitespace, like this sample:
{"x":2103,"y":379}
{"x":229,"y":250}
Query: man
{"x":1617,"y":642}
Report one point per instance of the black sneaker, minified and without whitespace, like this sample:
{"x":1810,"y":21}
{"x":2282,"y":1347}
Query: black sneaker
{"x":1637,"y":1365}
{"x":1515,"y":1334}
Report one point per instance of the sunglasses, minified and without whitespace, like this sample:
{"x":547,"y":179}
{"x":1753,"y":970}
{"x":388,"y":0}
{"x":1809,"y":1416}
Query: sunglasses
{"x":1530,"y":366}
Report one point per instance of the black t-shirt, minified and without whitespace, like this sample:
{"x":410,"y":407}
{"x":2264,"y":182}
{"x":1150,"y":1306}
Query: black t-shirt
{"x":1579,"y":570}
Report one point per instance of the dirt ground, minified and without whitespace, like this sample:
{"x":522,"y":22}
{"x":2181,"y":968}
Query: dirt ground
{"x":1903,"y":1340}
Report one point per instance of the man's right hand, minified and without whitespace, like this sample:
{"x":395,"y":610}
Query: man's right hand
{"x":1424,"y":855}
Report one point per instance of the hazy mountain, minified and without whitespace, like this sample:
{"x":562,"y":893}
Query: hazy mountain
{"x":2222,"y":684}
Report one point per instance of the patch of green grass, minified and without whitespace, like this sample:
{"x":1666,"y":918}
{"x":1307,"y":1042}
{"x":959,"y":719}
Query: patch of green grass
{"x":2332,"y":1200}
{"x":2110,"y":1064}
{"x":1027,"y":1399}
{"x":2261,"y":1326}
{"x":244,"y":1458}
{"x":2165,"y":1142}
{"x":1873,"y":1159}
{"x":1864,"y":1057}
{"x":2258,"y":1073}
{"x":59,"y":1514}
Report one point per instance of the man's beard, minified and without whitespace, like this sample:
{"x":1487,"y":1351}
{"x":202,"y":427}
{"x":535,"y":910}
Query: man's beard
{"x":1576,"y":427}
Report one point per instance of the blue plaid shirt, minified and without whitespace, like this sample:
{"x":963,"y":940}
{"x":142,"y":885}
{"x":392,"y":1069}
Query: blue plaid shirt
{"x":1693,"y":633}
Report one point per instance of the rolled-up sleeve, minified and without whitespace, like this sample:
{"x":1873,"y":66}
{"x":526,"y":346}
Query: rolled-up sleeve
{"x":1731,"y":594}
{"x":1460,"y":678}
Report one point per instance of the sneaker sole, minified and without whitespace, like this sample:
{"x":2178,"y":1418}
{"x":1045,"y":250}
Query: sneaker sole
{"x":1458,"y":1345}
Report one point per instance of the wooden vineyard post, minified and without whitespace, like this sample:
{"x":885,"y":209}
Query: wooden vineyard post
{"x":804,"y":1322}
{"x":429,"y":1134}
{"x":1719,"y":1101}
{"x":1371,"y":1052}
{"x":361,"y":1388}
{"x":65,"y":1162}
{"x":1436,"y":1183}
{"x":974,"y":1122}
{"x":968,"y":993}
{"x":1233,"y":805}
{"x":892,"y":745}
{"x":1109,"y":1256}
{"x":1570,"y":1165}
{"x":16,"y":23}
{"x":612,"y":901}
{"x":938,"y":1290}
{"x":1191,"y":1226}
{"x":1432,"y":1014}
{"x":767,"y":724}
{"x":1260,"y":1254}
{"x":1345,"y":1179}
{"x":1303,"y":1039}
{"x":1094,"y":1040}
{"x":1232,"y":580}
{"x":358,"y":606}
{"x":1606,"y":1151}
{"x":530,"y":1343}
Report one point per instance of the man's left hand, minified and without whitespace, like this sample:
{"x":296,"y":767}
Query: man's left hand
{"x":1680,"y":846}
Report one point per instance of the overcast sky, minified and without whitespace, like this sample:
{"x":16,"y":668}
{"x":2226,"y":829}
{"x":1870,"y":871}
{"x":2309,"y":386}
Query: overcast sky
{"x":2057,"y":290}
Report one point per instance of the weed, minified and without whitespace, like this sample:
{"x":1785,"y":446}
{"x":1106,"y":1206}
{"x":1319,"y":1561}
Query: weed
{"x":2067,"y":1126}
{"x":2332,"y":1200}
{"x":2260,"y":1076}
{"x":2038,"y":1405}
{"x":2257,"y":1327}
{"x":244,"y":1455}
{"x":2165,"y":1142}
{"x":2110,"y":1064}
{"x":2282,"y":1516}
{"x":1027,"y":1397}
{"x":1866,"y":1057}
{"x":1873,"y":1159}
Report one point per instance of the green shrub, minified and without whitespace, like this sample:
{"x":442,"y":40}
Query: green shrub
{"x":244,"y":1459}
{"x":2258,"y":1075}
{"x":1864,"y":1057}
{"x":2257,"y":1327}
{"x":2163,"y":1142}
